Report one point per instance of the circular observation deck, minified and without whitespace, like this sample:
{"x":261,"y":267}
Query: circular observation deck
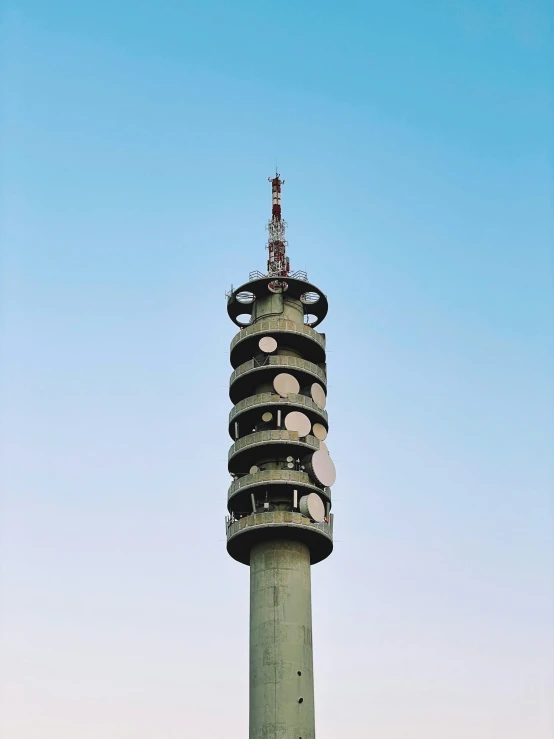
{"x":248,"y":412}
{"x":288,"y":334}
{"x":255,"y":372}
{"x":238,"y":496}
{"x":248,"y":450}
{"x":241,"y":301}
{"x":243,"y":533}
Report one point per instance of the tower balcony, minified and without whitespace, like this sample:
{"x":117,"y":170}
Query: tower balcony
{"x":241,"y":488}
{"x":247,"y":450}
{"x":288,"y":334}
{"x":255,"y":372}
{"x":243,"y":533}
{"x":240,"y":301}
{"x":247,"y":412}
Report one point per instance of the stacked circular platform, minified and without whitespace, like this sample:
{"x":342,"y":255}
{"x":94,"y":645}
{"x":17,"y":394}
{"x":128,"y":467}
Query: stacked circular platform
{"x":281,"y":468}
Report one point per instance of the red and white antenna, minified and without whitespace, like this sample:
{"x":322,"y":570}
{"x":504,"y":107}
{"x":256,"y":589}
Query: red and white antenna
{"x":278,"y":262}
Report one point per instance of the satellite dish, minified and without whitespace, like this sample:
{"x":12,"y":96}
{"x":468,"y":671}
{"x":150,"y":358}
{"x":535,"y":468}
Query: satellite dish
{"x":254,"y":469}
{"x":323,"y":447}
{"x":312,"y":507}
{"x":321,"y":468}
{"x":267,"y":416}
{"x":286,"y":384}
{"x":319,"y":431}
{"x":267,"y":344}
{"x":297,"y":421}
{"x":318,"y":395}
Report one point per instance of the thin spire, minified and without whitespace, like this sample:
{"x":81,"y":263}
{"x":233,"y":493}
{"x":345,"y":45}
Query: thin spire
{"x":277,"y":263}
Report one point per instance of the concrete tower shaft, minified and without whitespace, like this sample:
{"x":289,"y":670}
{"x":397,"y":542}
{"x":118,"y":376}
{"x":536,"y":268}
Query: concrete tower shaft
{"x":279,"y":503}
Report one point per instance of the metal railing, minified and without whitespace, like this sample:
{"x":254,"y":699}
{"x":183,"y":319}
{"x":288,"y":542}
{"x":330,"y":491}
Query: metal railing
{"x":276,"y":518}
{"x":266,"y":437}
{"x":269,"y":325}
{"x":300,"y":274}
{"x":281,"y":362}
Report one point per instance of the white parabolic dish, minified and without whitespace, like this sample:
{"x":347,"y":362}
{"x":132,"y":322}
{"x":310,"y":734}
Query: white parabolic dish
{"x":320,"y":432}
{"x":312,"y":506}
{"x":267,"y":344}
{"x":318,"y":395}
{"x":297,"y":421}
{"x":286,"y":384}
{"x":322,"y":468}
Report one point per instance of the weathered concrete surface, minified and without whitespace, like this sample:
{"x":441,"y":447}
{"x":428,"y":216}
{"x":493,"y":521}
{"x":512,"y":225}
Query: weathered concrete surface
{"x":279,"y":305}
{"x":281,"y":699}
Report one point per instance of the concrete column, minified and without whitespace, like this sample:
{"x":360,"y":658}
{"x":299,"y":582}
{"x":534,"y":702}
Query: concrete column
{"x":278,"y":306}
{"x":281,"y":657}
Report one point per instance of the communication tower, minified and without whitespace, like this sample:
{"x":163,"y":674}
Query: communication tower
{"x":279,"y":518}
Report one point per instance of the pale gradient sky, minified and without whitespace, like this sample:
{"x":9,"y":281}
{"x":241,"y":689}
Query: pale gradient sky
{"x":415,"y":141}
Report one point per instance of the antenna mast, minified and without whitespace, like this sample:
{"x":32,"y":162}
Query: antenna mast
{"x":278,"y":262}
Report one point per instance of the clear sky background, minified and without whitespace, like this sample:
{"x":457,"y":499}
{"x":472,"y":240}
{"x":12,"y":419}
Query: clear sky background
{"x":415,"y":141}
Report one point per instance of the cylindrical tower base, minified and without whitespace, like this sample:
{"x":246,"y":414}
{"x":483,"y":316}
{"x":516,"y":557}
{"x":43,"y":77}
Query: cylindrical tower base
{"x":281,"y":657}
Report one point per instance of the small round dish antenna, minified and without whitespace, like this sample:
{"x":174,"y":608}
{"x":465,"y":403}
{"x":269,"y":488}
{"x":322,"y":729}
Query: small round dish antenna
{"x":319,"y":431}
{"x":320,"y":466}
{"x":267,"y":344}
{"x":318,"y":395}
{"x":286,"y":384}
{"x":297,"y":421}
{"x":312,"y":507}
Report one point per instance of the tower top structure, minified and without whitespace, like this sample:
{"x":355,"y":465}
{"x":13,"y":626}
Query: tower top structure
{"x":277,"y":263}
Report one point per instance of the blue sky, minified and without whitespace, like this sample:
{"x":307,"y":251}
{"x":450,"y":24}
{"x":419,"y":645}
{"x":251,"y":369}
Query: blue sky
{"x":415,"y":141}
